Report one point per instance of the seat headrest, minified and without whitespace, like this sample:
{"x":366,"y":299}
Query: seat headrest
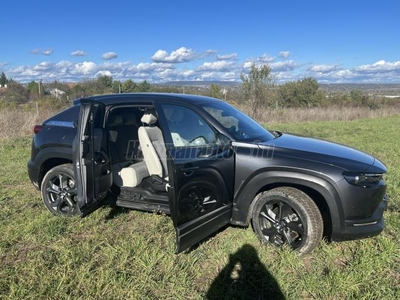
{"x":149,"y":119}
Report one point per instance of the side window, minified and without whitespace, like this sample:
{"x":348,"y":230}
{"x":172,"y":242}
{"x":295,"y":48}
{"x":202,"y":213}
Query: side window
{"x":187,"y":128}
{"x":68,"y":115}
{"x":226,"y":120}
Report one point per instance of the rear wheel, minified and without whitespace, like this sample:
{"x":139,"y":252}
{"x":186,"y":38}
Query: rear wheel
{"x":59,"y":191}
{"x":286,"y":215}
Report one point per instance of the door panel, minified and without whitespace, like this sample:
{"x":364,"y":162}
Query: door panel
{"x":91,"y":161}
{"x":202,"y":176}
{"x":202,"y":201}
{"x":193,"y":231}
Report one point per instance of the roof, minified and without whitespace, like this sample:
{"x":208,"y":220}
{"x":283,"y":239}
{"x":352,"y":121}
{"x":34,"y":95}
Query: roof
{"x":137,"y":97}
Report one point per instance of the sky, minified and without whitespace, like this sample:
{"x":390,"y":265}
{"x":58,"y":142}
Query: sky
{"x":339,"y":41}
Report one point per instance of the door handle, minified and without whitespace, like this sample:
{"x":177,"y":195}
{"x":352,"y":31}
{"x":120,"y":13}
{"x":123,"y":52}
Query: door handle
{"x":189,"y":170}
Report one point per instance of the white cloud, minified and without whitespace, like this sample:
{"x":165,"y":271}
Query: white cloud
{"x":380,"y":71}
{"x":284,"y":54}
{"x":219,"y":66}
{"x":344,"y":74}
{"x":46,"y":52}
{"x":187,"y":73}
{"x":283,"y":66}
{"x":265,"y":58}
{"x":85,"y":68}
{"x":229,"y":76}
{"x":204,"y":54}
{"x":208,"y":76}
{"x":164,"y":66}
{"x":379,"y":67}
{"x":227,"y":56}
{"x":248,"y":64}
{"x":109,"y":55}
{"x":103,"y":73}
{"x":148,"y":67}
{"x":210,"y":52}
{"x":78,"y":53}
{"x":281,"y":70}
{"x":180,"y":55}
{"x":44,"y":66}
{"x":323,"y":68}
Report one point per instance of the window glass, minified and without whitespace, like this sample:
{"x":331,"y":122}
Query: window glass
{"x":68,"y":115}
{"x":187,"y":128}
{"x":240,"y":126}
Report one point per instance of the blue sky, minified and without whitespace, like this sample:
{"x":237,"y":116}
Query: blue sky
{"x":158,"y":41}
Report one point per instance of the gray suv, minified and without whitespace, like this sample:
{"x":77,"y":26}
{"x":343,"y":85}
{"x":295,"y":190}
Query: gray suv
{"x":206,"y":164}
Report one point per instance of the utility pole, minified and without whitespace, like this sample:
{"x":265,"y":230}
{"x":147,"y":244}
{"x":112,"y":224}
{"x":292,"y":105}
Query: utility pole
{"x":40,"y":87}
{"x":224,"y":92}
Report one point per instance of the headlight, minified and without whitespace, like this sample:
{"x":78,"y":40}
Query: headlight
{"x":364,"y":180}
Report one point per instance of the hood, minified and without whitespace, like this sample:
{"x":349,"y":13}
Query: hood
{"x":321,"y":151}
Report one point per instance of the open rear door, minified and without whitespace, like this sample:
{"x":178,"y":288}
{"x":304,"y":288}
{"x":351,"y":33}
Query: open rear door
{"x":91,"y":161}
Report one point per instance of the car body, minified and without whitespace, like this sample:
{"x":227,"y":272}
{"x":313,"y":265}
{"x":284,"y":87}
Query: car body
{"x":205,"y":164}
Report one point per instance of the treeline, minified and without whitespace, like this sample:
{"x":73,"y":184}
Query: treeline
{"x":258,"y":90}
{"x":13,"y":92}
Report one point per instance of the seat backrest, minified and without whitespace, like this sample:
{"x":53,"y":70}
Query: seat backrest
{"x":153,"y":146}
{"x":123,"y":131}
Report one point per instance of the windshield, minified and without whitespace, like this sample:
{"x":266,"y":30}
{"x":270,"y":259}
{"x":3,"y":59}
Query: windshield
{"x":239,"y":125}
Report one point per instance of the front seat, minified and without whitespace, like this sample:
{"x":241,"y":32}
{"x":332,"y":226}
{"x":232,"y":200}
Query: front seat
{"x":154,"y":152}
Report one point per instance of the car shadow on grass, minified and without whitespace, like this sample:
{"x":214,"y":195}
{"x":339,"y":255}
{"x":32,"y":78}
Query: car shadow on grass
{"x":245,"y":277}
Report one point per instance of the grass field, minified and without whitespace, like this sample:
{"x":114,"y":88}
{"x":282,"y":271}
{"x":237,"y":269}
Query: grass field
{"x":121,"y":254}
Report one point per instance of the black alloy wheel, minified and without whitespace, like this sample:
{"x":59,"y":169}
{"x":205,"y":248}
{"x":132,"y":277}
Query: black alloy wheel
{"x":287,"y":216}
{"x":59,"y":191}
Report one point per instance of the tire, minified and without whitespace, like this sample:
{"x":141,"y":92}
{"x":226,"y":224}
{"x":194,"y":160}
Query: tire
{"x":287,"y":216}
{"x":59,"y":191}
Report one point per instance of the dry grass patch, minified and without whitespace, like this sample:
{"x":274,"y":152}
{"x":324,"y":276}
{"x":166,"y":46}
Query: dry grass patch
{"x":332,"y":113}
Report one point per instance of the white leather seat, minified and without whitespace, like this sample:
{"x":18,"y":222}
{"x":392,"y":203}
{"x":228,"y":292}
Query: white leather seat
{"x":132,"y":175}
{"x":153,"y":147}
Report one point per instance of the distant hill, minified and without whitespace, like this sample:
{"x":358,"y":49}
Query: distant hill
{"x":368,"y":88}
{"x":201,"y":83}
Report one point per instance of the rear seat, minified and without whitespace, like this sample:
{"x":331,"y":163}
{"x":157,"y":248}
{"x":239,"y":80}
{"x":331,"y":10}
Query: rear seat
{"x":123,"y":138}
{"x":127,"y":168}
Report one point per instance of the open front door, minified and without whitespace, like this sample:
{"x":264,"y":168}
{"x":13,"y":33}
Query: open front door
{"x":91,"y":161}
{"x":202,"y":176}
{"x":202,"y":201}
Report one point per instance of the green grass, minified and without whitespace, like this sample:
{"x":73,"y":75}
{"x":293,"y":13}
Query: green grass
{"x":122,"y":254}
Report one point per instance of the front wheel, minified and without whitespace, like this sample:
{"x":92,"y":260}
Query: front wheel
{"x":286,"y":215}
{"x":59,"y":191}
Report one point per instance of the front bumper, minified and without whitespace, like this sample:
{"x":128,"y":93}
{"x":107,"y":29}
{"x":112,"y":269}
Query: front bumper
{"x":364,"y":228}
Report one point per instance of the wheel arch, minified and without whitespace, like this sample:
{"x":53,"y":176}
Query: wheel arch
{"x":320,"y":190}
{"x":50,"y":158}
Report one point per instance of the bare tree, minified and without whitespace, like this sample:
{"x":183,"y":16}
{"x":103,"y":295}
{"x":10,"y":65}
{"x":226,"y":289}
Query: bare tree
{"x":257,"y":87}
